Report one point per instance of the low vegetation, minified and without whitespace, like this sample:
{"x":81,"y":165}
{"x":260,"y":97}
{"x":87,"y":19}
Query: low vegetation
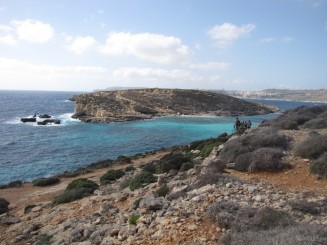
{"x":312,"y":147}
{"x":111,"y":176}
{"x":206,"y":146}
{"x":250,"y":225}
{"x":319,"y":166}
{"x":123,"y":160}
{"x":304,"y":206}
{"x":142,"y":179}
{"x":12,"y":184}
{"x":301,"y":234}
{"x":162,"y":191}
{"x":262,"y":159}
{"x":4,"y":206}
{"x":171,"y":161}
{"x":75,"y":190}
{"x":260,"y":150}
{"x":46,"y":181}
{"x":313,"y":117}
{"x":133,"y":219}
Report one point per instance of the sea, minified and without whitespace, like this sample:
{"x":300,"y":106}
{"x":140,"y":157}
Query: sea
{"x":29,"y":151}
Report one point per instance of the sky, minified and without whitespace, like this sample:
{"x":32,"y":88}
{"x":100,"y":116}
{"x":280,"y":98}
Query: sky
{"x":83,"y":45}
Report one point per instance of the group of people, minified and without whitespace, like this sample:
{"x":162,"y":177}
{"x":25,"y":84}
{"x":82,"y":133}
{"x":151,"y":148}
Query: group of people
{"x":242,"y":125}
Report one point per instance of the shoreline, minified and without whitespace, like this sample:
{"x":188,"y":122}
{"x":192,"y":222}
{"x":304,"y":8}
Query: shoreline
{"x":88,"y":168}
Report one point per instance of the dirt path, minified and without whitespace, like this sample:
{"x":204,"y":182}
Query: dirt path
{"x":28,"y":194}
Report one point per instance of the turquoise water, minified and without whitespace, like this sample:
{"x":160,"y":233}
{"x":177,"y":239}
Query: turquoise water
{"x":28,"y":151}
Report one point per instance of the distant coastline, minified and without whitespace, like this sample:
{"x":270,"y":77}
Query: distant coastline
{"x":305,"y":95}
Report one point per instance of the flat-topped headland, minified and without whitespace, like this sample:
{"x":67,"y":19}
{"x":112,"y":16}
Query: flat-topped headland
{"x":138,"y":104}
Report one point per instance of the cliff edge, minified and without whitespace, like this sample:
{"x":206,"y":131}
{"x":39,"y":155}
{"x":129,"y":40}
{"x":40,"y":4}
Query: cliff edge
{"x":127,"y":105}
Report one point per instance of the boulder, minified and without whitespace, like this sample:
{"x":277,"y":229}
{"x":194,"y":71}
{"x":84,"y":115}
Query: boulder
{"x":152,"y":203}
{"x":44,"y":116}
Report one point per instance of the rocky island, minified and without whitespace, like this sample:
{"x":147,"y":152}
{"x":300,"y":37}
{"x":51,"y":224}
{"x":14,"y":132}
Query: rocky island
{"x":138,"y":104}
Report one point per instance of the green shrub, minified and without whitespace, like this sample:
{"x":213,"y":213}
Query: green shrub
{"x":142,"y":179}
{"x":133,"y":219}
{"x":101,"y":164}
{"x":75,"y":190}
{"x":12,"y":184}
{"x":186,"y":166}
{"x":312,"y":147}
{"x":111,"y":175}
{"x":82,"y":183}
{"x":162,"y":191}
{"x":123,"y":160}
{"x":149,"y":167}
{"x":129,"y":168}
{"x":319,"y":166}
{"x":171,"y":161}
{"x":44,"y":239}
{"x":201,"y":144}
{"x":46,"y":181}
{"x":72,"y":195}
{"x":4,"y":206}
{"x":68,"y":174}
{"x":206,"y":150}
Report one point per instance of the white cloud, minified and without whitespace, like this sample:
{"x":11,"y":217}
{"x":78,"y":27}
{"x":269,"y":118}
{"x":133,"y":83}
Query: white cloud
{"x":33,"y":31}
{"x":210,"y":66}
{"x":164,"y":78}
{"x":268,"y":40}
{"x":80,"y":45}
{"x":5,"y":28}
{"x":287,"y":39}
{"x":224,"y":35}
{"x":146,"y":46}
{"x":44,"y":76}
{"x":8,"y":40}
{"x":2,"y":8}
{"x":150,"y":73}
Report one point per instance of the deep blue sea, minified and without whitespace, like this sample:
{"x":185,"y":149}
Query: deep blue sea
{"x":28,"y":151}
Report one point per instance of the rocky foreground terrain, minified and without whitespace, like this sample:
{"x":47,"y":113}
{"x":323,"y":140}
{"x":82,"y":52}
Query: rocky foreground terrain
{"x":207,"y":199}
{"x":135,"y":104}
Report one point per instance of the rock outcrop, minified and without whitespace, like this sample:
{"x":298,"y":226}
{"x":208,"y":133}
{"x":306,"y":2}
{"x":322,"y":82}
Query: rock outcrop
{"x":127,"y":105}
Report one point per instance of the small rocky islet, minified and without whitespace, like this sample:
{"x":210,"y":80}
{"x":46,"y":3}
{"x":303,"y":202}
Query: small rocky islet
{"x":138,"y":104}
{"x":223,"y":190}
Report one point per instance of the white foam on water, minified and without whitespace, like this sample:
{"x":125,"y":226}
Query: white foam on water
{"x":13,"y":121}
{"x":67,"y":118}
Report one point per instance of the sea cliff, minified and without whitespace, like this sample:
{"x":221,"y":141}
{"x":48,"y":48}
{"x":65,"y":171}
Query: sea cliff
{"x":137,"y":104}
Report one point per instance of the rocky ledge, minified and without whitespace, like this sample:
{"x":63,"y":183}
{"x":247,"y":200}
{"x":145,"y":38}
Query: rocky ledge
{"x":138,"y":104}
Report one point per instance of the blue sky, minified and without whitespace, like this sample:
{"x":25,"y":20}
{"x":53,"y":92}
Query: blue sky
{"x":210,"y":44}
